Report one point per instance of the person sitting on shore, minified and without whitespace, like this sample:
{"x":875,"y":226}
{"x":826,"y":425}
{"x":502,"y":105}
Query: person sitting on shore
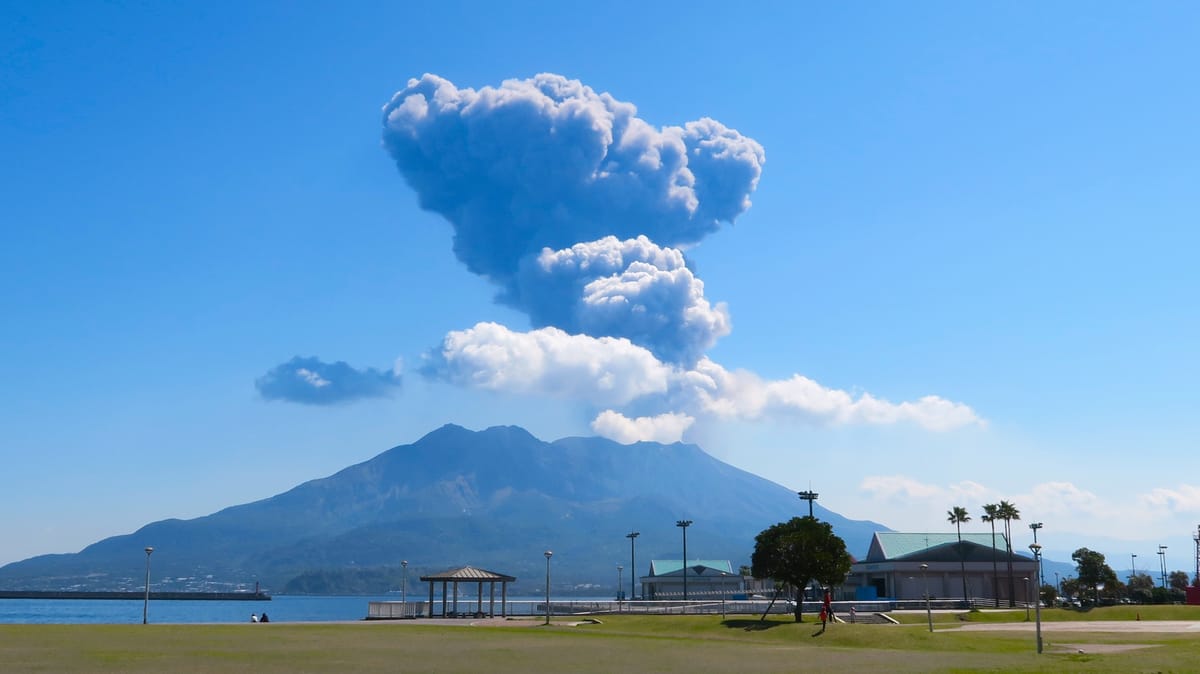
{"x":263,"y":618}
{"x":253,"y":617}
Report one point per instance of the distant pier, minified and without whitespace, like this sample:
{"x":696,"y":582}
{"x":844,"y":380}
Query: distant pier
{"x":160,"y":596}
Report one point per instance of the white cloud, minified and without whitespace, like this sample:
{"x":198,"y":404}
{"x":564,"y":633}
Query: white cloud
{"x":614,"y":371}
{"x":1181,"y":499}
{"x":744,"y":395}
{"x":603,"y":370}
{"x":1073,"y":517}
{"x":664,"y":428}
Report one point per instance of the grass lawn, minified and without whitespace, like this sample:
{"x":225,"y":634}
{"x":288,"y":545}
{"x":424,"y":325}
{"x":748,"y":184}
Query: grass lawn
{"x":622,"y":643}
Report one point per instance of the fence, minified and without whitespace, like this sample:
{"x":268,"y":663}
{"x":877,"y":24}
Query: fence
{"x":393,"y":610}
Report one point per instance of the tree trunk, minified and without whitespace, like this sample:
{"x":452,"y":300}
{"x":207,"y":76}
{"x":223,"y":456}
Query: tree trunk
{"x":800,"y":604}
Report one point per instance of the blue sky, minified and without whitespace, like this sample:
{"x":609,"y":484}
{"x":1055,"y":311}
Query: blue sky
{"x":993,"y":205}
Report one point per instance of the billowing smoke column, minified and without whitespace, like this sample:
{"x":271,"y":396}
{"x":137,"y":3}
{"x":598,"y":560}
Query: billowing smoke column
{"x":579,"y":211}
{"x":549,"y":186}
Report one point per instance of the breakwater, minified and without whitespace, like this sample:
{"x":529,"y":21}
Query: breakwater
{"x":160,"y":596}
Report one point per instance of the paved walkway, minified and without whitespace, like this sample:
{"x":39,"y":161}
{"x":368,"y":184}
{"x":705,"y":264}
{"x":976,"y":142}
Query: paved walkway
{"x":1127,"y":626}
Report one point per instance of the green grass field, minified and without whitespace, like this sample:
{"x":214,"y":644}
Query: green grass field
{"x":621,"y":643}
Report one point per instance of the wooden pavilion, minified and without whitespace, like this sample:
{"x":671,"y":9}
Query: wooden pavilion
{"x":469,"y":574}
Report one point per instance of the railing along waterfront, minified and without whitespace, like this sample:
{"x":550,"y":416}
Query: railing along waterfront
{"x":394,"y":610}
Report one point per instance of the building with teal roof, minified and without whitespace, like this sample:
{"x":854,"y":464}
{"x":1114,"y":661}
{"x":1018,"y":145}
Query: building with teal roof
{"x":905,"y":566}
{"x":706,"y":578}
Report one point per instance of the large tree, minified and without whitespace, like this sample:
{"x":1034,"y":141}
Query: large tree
{"x":1093,"y":571}
{"x":798,"y":552}
{"x":958,"y":516}
{"x":1178,"y":580}
{"x":1008,"y":512}
{"x":990,"y":515}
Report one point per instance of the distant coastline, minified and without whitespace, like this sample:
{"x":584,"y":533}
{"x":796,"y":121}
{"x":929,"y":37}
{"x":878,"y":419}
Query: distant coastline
{"x":160,"y":596}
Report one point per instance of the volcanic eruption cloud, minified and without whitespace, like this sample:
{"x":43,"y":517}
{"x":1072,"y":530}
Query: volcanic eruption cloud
{"x":579,"y":212}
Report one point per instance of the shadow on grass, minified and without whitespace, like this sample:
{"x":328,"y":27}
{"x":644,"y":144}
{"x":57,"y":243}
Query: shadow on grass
{"x":754,"y":625}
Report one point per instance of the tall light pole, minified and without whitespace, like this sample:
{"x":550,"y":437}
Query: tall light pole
{"x":620,"y":569}
{"x":548,"y":554}
{"x":1026,"y":598}
{"x":1132,"y":574}
{"x":404,"y":582}
{"x":809,"y":496}
{"x":1037,"y":607}
{"x":1196,"y":538}
{"x":632,"y":536}
{"x":1035,"y":526}
{"x":684,"y":524}
{"x":928,"y":610}
{"x":146,"y":601}
{"x":1162,"y":562}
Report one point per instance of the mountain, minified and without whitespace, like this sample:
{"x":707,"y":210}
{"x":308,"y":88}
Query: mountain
{"x":494,"y":499}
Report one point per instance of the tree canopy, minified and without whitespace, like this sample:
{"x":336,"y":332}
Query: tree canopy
{"x":1093,"y":570}
{"x":798,"y":552}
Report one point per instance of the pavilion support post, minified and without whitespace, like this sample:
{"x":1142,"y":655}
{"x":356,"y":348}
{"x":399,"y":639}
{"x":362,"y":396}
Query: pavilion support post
{"x":492,"y":599}
{"x":504,"y":598}
{"x":479,"y":598}
{"x":443,"y":599}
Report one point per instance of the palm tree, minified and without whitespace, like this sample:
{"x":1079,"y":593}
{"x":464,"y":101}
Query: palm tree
{"x":957,"y":516}
{"x":1008,"y":512}
{"x":990,"y":514}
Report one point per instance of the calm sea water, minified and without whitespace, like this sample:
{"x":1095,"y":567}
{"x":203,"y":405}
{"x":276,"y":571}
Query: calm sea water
{"x":281,"y":609}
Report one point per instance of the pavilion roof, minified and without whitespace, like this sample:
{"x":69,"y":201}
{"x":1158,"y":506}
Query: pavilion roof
{"x":468,"y":573}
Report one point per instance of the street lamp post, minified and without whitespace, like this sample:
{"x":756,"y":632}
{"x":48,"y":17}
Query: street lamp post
{"x":620,"y":582}
{"x":404,"y":583}
{"x":809,"y":496}
{"x":1132,"y":572}
{"x":632,"y":536}
{"x":684,"y":524}
{"x":146,"y":601}
{"x":1162,"y":562}
{"x":1035,"y":526}
{"x":1037,"y":607}
{"x":1026,"y":598}
{"x":548,"y":554}
{"x":928,"y":610}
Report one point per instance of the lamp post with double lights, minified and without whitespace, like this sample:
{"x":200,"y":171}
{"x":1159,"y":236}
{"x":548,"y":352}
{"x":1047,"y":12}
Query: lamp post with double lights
{"x":809,"y":496}
{"x":684,"y":524}
{"x":632,"y":536}
{"x":1037,"y":607}
{"x":1034,"y":527}
{"x":1162,"y":562}
{"x":146,"y":601}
